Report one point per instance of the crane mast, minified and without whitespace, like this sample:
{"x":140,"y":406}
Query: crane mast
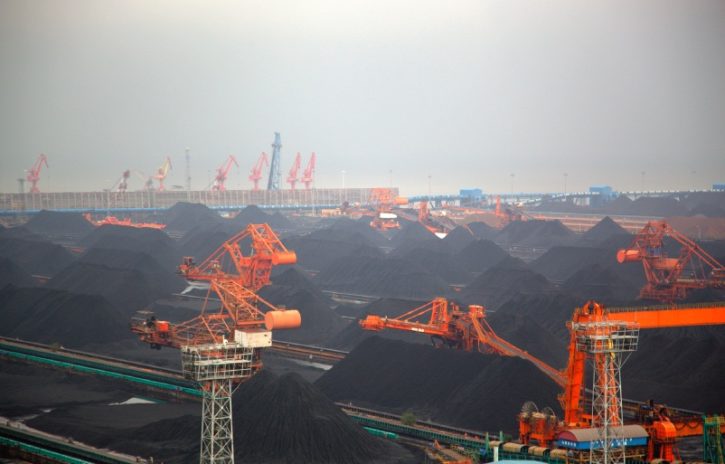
{"x":220,"y":349}
{"x":275,"y":169}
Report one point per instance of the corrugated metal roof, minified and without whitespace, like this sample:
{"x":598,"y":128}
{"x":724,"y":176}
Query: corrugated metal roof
{"x":587,"y":435}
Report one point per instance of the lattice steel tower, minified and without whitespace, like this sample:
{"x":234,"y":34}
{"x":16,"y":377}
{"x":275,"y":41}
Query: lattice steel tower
{"x":218,"y":367}
{"x":275,"y":168}
{"x":608,"y":344}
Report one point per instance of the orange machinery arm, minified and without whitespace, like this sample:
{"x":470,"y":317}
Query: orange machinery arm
{"x":653,"y":317}
{"x":464,"y":329}
{"x":661,"y":317}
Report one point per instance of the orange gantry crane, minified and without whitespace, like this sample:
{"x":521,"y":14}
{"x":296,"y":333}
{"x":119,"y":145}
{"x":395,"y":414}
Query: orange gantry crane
{"x":221,"y":348}
{"x":33,"y":174}
{"x":308,"y":176}
{"x":255,"y":175}
{"x":465,"y":329}
{"x":670,"y":278}
{"x":221,"y":174}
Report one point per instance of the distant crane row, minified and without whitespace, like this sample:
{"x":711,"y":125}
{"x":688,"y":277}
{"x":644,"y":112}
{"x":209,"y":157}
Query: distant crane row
{"x":218,"y":184}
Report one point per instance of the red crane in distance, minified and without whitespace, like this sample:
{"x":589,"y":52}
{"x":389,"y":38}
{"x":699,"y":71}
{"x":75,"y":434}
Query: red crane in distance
{"x":308,"y":176}
{"x":162,"y":172}
{"x":255,"y":175}
{"x":294,"y":170}
{"x":222,"y":173}
{"x":671,"y":278}
{"x":33,"y":175}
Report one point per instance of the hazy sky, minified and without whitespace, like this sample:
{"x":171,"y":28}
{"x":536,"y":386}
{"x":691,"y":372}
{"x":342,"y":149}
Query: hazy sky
{"x":465,"y":91}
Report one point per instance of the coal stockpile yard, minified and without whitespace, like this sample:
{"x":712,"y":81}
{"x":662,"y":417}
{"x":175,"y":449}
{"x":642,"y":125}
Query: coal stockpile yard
{"x":362,"y":232}
{"x":354,"y":272}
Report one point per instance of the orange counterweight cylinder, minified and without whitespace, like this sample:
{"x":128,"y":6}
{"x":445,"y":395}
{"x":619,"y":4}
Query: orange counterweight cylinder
{"x":284,"y":257}
{"x":162,"y":326}
{"x":401,"y":200}
{"x":628,"y":255}
{"x":282,"y":319}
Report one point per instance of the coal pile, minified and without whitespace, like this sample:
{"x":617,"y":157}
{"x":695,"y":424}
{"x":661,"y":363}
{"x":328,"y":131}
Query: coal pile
{"x":647,"y":206}
{"x":308,"y":427}
{"x":35,"y":256}
{"x":482,"y":230}
{"x":319,"y":322}
{"x":711,"y":204}
{"x":128,"y":279}
{"x":560,"y":263}
{"x":602,"y":283}
{"x":378,"y":276}
{"x":152,"y":242}
{"x":471,"y":390}
{"x":20,"y":232}
{"x":344,"y":226}
{"x":480,"y":255}
{"x":320,"y":249}
{"x":276,"y":420}
{"x":601,"y":232}
{"x":12,"y":274}
{"x":503,"y":281}
{"x":185,"y":216}
{"x":412,"y":232}
{"x":437,"y":261}
{"x":252,"y":214}
{"x":59,"y":225}
{"x":681,"y":367}
{"x":535,"y":234}
{"x":202,"y":240}
{"x":55,"y":316}
{"x":458,"y":239}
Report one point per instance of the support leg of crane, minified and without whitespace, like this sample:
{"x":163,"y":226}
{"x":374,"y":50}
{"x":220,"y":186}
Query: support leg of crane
{"x":217,"y":444}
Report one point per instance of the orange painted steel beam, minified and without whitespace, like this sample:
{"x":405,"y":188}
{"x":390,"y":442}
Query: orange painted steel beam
{"x":664,"y":318}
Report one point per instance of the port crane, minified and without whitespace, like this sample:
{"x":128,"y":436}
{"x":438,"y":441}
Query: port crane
{"x":161,"y":174}
{"x":671,"y":278}
{"x":255,"y":175}
{"x":33,"y":174}
{"x":220,"y":349}
{"x":308,"y":176}
{"x":222,"y":172}
{"x":294,"y":170}
{"x":121,"y":185}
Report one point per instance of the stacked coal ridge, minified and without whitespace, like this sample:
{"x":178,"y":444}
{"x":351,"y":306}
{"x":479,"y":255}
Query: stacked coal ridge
{"x":276,"y":420}
{"x":186,"y":216}
{"x":12,"y":274}
{"x":471,"y":390}
{"x":34,"y":254}
{"x":55,"y":316}
{"x":59,"y":225}
{"x":128,"y":279}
